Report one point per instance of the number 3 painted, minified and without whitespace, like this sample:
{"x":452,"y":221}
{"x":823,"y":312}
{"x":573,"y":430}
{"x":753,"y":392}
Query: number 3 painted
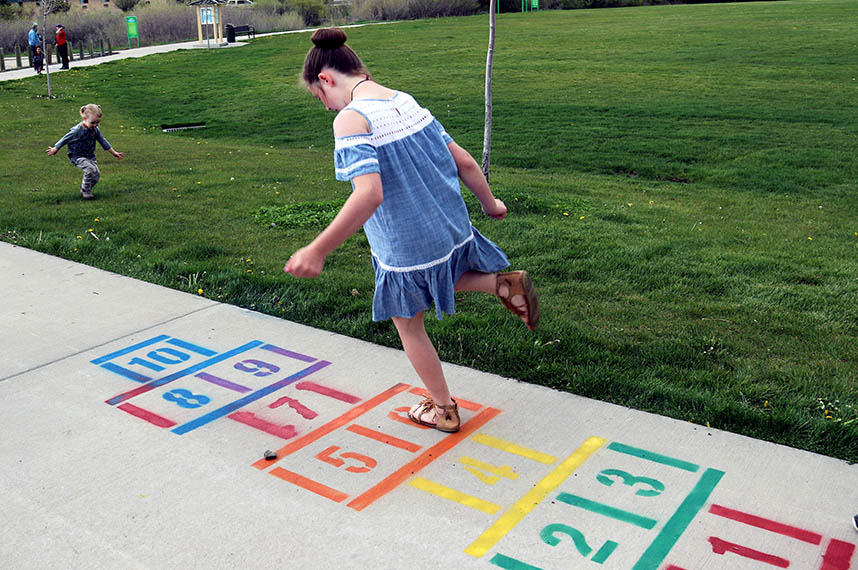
{"x":656,"y":486}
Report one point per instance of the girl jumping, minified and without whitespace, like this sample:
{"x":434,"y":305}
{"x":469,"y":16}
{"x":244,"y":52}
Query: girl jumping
{"x":405,"y":171}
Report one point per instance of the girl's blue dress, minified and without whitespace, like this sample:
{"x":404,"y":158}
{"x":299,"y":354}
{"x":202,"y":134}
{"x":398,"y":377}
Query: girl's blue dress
{"x":421,"y":237}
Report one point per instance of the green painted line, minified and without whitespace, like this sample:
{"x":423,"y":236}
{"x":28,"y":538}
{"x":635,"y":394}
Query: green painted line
{"x":607,"y":511}
{"x":511,"y":563}
{"x":604,"y":552}
{"x":678,"y":523}
{"x":653,"y":456}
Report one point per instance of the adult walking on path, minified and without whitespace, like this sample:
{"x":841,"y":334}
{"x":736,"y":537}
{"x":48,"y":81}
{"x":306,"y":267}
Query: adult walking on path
{"x":34,"y":39}
{"x":62,"y":46}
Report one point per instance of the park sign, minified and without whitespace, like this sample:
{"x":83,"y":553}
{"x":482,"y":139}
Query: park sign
{"x":131,"y":25}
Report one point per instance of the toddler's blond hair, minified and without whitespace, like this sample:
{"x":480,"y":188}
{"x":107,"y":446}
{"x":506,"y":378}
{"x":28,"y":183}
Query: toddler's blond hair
{"x":90,"y":110}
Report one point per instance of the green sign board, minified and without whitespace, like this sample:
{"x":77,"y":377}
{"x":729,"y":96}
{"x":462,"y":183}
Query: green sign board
{"x":131,"y":22}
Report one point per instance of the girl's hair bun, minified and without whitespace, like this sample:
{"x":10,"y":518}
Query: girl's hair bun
{"x":329,"y":38}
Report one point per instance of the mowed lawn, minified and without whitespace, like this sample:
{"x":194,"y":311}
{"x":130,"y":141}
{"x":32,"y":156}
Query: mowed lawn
{"x":682,"y":184}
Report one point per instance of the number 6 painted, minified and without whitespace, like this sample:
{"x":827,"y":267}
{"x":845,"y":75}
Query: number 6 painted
{"x":547,"y":536}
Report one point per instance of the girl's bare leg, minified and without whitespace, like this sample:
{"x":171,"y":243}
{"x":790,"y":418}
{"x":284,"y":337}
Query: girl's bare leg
{"x":424,"y":359}
{"x":476,"y":281}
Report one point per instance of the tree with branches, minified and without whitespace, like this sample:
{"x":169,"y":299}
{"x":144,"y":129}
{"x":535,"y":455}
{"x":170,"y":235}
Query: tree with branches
{"x":47,"y":8}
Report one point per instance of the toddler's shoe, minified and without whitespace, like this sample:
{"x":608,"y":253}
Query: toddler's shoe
{"x":86,"y":195}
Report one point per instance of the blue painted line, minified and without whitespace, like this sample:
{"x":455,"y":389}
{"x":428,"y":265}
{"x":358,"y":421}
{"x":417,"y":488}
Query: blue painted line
{"x":137,"y":346}
{"x":250,"y":398}
{"x":192,"y":347}
{"x":678,"y":523}
{"x":190,"y":370}
{"x":116,"y":369}
{"x":653,"y":456}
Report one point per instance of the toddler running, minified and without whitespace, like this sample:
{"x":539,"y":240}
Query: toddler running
{"x":81,"y":142}
{"x":404,"y":169}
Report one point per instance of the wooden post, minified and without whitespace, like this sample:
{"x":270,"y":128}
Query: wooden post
{"x":200,"y":23}
{"x":2,"y":60}
{"x":71,"y":51}
{"x":219,"y":22}
{"x":80,"y":45}
{"x":91,"y":50}
{"x":18,"y":56}
{"x":29,"y":56}
{"x":47,"y":53}
{"x":109,"y":47}
{"x":101,"y":46}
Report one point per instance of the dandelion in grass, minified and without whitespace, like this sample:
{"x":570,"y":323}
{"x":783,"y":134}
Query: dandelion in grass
{"x":199,"y":291}
{"x":97,"y":219}
{"x":79,"y":237}
{"x":565,"y":213}
{"x":809,"y":238}
{"x":581,"y":218}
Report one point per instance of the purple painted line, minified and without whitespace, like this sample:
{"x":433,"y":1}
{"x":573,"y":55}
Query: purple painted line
{"x":250,"y":398}
{"x":132,"y":348}
{"x":115,"y":368}
{"x":223,"y":383}
{"x":288,"y":353}
{"x":176,"y":375}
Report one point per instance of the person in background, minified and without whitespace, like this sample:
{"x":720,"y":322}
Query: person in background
{"x":38,"y":60}
{"x":34,"y":39}
{"x":62,"y":46}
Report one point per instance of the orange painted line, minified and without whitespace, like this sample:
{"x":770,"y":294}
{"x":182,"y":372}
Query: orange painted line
{"x":309,"y":438}
{"x":397,"y":477}
{"x":384,"y":438}
{"x":309,"y":484}
{"x":472,"y":406}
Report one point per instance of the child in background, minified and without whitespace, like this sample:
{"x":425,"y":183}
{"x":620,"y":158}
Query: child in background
{"x":38,"y":60}
{"x":405,"y":169}
{"x":81,"y":142}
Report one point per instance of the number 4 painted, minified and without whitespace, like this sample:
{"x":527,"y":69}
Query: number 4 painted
{"x":477,"y":468}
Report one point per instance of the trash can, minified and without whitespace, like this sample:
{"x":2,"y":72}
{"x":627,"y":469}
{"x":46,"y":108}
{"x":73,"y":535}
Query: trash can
{"x":230,"y":34}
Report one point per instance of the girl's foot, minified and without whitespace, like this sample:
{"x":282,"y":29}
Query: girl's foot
{"x":443,"y":418}
{"x":516,"y":292}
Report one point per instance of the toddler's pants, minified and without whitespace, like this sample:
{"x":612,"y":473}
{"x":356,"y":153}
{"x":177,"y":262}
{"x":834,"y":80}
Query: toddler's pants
{"x":90,"y":173}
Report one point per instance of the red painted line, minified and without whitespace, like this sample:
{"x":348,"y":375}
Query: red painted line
{"x":838,"y":555}
{"x":384,"y":438}
{"x":720,"y":546}
{"x":302,"y":410}
{"x":766,"y":524}
{"x":309,"y":484}
{"x":309,"y":438}
{"x":154,"y":419}
{"x":472,"y":406}
{"x":395,"y":416}
{"x":397,"y":477}
{"x":672,"y":567}
{"x":249,"y":418}
{"x":325,"y":391}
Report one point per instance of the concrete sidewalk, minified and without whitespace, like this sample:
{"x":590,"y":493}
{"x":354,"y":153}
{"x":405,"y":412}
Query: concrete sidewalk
{"x":134,"y":420}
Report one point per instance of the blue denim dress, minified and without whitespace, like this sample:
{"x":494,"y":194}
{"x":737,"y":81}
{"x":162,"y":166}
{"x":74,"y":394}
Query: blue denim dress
{"x":421,"y":237}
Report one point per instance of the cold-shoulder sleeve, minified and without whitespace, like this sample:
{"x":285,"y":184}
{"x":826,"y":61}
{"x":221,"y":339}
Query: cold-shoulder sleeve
{"x":355,"y":155}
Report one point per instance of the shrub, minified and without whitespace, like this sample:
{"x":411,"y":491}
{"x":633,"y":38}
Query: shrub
{"x":411,"y":9}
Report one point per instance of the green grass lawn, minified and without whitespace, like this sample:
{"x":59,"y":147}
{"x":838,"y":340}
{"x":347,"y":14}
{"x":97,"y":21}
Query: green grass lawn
{"x":682,"y":183}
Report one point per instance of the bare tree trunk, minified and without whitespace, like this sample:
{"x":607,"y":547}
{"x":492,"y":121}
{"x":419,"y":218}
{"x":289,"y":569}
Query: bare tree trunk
{"x":487,"y":134}
{"x":45,"y":53}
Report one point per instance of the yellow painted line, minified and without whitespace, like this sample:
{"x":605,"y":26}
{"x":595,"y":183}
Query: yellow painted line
{"x":514,"y":448}
{"x":527,"y":503}
{"x":454,"y":495}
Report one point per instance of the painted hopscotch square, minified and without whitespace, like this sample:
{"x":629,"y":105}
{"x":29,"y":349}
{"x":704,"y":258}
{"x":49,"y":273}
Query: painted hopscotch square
{"x":750,"y":538}
{"x":370,"y":450}
{"x":194,"y":396}
{"x":154,"y":357}
{"x":613,"y":486}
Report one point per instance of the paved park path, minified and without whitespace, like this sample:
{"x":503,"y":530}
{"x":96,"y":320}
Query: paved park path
{"x":134,"y":420}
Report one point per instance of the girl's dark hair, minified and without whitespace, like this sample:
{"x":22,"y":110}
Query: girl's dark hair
{"x":330,"y":50}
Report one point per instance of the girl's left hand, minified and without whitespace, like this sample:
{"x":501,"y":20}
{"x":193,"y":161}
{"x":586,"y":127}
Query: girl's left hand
{"x":305,"y":263}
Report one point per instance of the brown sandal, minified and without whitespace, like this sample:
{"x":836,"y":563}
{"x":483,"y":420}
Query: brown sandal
{"x":446,"y":417}
{"x":519,"y":283}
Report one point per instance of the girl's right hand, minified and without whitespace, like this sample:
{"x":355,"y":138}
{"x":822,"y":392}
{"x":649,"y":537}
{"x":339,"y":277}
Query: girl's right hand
{"x":497,"y":210}
{"x":305,"y":263}
{"x":51,"y":150}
